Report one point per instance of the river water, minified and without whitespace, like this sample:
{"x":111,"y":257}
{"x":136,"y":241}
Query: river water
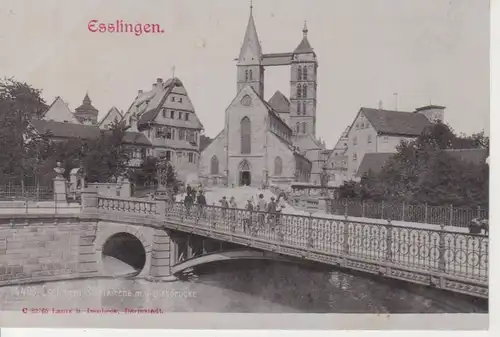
{"x":236,"y":286}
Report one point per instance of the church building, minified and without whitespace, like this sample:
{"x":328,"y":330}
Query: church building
{"x":268,"y":142}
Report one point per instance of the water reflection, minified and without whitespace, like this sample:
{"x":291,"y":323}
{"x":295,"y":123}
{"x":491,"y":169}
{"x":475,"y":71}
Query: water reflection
{"x":236,"y":286}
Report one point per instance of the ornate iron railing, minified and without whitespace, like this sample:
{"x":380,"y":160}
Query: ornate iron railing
{"x":447,"y":215}
{"x":437,"y":256}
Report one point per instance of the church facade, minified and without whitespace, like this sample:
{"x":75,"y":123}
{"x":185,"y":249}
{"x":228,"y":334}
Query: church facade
{"x":268,"y":142}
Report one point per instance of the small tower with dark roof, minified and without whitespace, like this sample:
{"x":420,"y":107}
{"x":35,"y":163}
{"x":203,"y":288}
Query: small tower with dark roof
{"x":303,"y":85}
{"x":86,"y":113}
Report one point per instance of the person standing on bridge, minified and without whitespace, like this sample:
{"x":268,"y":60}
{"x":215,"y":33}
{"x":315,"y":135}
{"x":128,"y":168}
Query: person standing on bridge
{"x":202,"y":202}
{"x":247,"y":222}
{"x":188,"y":202}
{"x":261,"y":207}
{"x":271,"y":208}
{"x":224,"y":206}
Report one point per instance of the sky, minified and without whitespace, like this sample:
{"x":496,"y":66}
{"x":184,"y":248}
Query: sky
{"x":426,"y":51}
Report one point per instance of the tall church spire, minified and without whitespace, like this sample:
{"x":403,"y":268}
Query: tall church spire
{"x":305,"y":30}
{"x":251,"y":50}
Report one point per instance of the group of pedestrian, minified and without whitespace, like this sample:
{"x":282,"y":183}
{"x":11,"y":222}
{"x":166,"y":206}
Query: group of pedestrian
{"x":229,"y":209}
{"x":193,"y":196}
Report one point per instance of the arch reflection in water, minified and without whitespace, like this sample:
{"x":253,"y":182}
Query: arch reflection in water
{"x":123,"y":255}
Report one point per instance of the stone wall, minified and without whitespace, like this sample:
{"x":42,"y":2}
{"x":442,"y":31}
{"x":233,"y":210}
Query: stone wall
{"x":41,"y":248}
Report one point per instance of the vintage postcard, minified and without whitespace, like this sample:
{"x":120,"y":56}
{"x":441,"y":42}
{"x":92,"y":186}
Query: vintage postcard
{"x":239,"y":164}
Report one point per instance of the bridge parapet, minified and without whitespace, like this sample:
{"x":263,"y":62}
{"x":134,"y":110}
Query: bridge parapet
{"x":439,"y":258}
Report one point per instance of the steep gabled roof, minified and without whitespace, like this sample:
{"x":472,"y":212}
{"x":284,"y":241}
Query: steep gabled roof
{"x":59,"y":111}
{"x":280,"y":103}
{"x":270,"y":109}
{"x":110,"y":116}
{"x":148,"y":105}
{"x":396,"y":122}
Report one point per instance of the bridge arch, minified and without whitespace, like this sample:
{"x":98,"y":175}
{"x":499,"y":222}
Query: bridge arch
{"x":236,"y":254}
{"x":107,"y":235}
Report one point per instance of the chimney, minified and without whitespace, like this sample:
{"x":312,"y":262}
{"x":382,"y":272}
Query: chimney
{"x":140,"y":92}
{"x":159,"y":80}
{"x":434,"y":113}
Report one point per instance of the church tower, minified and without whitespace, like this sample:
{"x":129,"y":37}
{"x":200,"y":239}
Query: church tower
{"x":86,"y":113}
{"x":250,"y":69}
{"x":303,"y":85}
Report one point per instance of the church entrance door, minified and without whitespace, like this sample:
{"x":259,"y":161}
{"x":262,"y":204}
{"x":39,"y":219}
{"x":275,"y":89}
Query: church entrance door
{"x":245,"y":173}
{"x":245,"y":178}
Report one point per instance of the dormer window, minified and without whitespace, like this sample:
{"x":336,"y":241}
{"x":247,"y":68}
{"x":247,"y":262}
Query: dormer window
{"x":172,"y":99}
{"x":186,"y":116}
{"x":164,"y":113}
{"x":180,"y":114}
{"x":172,"y":114}
{"x":180,"y":99}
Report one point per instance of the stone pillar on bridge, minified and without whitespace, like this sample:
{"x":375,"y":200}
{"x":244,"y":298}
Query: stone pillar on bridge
{"x":89,"y":200}
{"x":161,"y":259}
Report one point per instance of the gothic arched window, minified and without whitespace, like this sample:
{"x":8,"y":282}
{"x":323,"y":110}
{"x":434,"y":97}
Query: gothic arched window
{"x":304,"y":110}
{"x":304,"y":90}
{"x":299,"y":73}
{"x":298,"y":127}
{"x":299,"y":108}
{"x":214,"y":165}
{"x":303,"y":127}
{"x":246,"y":135}
{"x":250,"y":75}
{"x":246,"y":75}
{"x":299,"y":90}
{"x":304,"y":74}
{"x":278,"y":166}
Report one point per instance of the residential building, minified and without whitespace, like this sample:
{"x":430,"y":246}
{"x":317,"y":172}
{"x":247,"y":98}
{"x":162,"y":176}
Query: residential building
{"x":378,"y":130}
{"x":166,"y":116}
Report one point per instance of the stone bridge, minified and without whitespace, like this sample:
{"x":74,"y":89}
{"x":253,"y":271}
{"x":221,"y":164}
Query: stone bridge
{"x":161,"y":240}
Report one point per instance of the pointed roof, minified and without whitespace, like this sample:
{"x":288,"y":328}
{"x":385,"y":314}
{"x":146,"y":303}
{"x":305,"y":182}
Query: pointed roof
{"x":147,"y":106}
{"x":110,"y":117}
{"x":86,"y":106}
{"x":58,"y":111}
{"x":279,"y":102}
{"x":251,"y":45}
{"x":304,"y":47}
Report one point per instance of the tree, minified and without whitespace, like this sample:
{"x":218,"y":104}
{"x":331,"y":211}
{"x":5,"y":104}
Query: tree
{"x":146,"y":174}
{"x":19,"y":103}
{"x":167,"y":176}
{"x":106,"y":157}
